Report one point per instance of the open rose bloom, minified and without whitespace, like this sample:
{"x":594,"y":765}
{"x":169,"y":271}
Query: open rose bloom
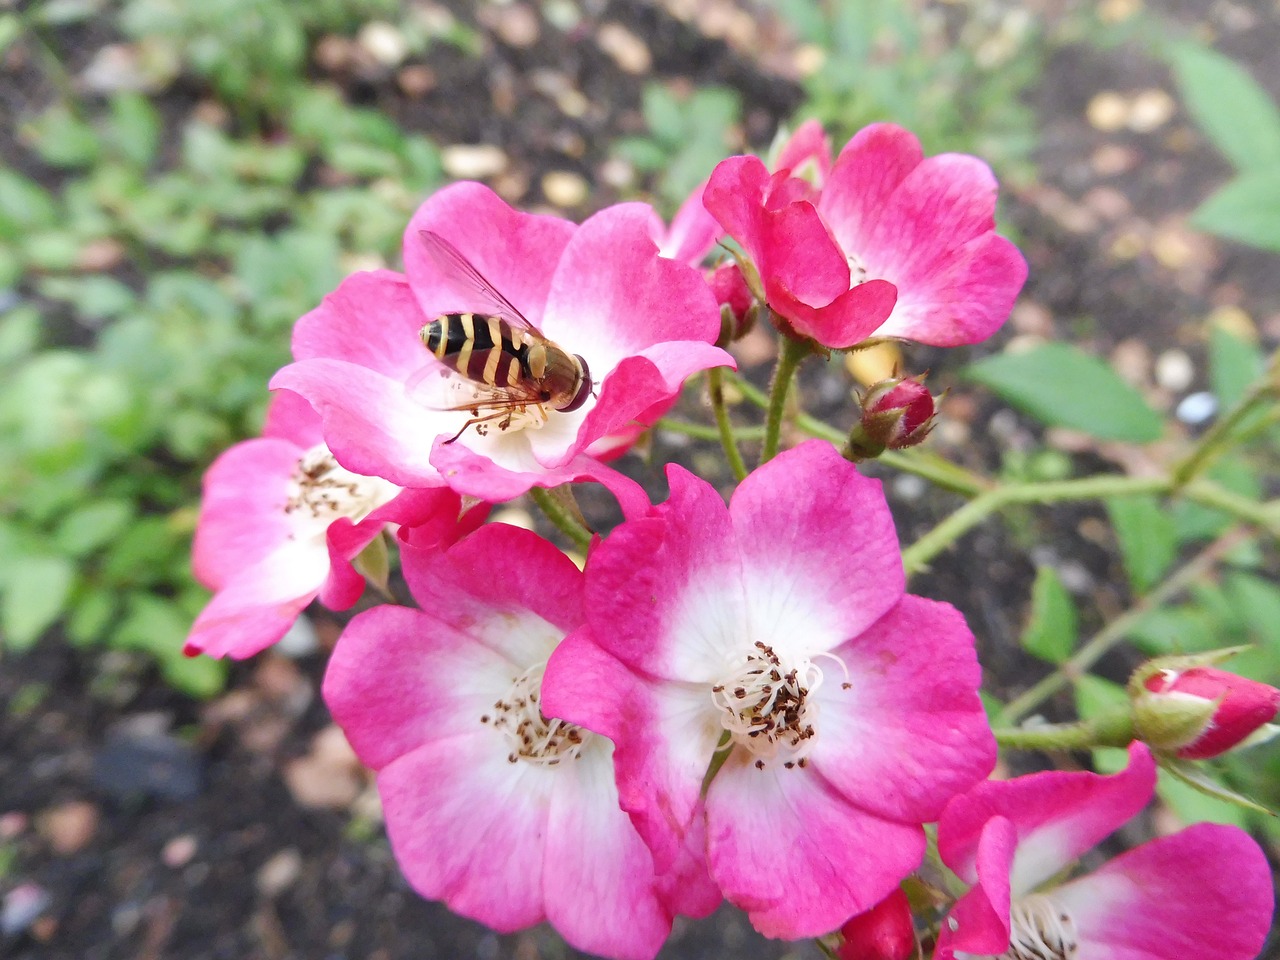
{"x":280,"y":524}
{"x":1202,"y":893}
{"x":885,"y":243}
{"x":642,"y":324}
{"x":778,"y":625}
{"x":508,"y":816}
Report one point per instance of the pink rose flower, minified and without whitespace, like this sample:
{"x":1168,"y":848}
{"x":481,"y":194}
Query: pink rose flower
{"x":889,"y":244}
{"x":280,"y":523}
{"x":642,"y":324}
{"x":851,"y":710}
{"x":1204,"y":892}
{"x":508,"y":816}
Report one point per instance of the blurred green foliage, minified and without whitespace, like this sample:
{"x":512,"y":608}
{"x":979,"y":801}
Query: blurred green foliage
{"x":153,"y":261}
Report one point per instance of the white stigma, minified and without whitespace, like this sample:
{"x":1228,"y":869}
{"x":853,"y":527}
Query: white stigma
{"x":767,"y":706}
{"x":532,"y":736}
{"x":324,"y":491}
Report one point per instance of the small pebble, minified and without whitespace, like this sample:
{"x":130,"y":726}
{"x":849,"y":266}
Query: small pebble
{"x":383,"y":42}
{"x":1197,"y":408}
{"x":473,"y":161}
{"x":1175,"y":370}
{"x":300,"y":639}
{"x":69,"y":827}
{"x":12,"y":824}
{"x":565,"y":188}
{"x":22,"y":906}
{"x":1107,"y":111}
{"x":626,"y":49}
{"x":179,"y":851}
{"x":279,"y":873}
{"x":909,"y":487}
{"x":1150,"y":110}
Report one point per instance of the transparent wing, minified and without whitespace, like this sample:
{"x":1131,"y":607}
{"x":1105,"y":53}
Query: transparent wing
{"x":461,"y":272}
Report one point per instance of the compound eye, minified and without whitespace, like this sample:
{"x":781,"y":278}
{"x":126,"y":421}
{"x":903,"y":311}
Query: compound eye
{"x":584,"y":386}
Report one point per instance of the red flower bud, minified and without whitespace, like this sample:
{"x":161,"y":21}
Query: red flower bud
{"x":1201,"y":712}
{"x":884,"y":932}
{"x":737,"y":305}
{"x":896,"y":413}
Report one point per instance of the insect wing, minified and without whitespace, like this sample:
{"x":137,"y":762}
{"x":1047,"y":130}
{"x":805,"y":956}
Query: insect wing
{"x":466,"y":278}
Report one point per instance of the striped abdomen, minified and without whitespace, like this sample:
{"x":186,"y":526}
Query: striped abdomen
{"x":485,"y":349}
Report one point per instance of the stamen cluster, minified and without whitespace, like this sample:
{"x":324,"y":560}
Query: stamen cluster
{"x":767,"y":710}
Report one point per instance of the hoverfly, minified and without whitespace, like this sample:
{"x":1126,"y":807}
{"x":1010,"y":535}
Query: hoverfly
{"x":512,"y":365}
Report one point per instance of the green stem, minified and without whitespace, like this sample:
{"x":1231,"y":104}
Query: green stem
{"x":1217,"y":437}
{"x":558,"y":514}
{"x":917,"y":556}
{"x":715,"y":388}
{"x":701,"y":431}
{"x":1112,"y":729}
{"x":1115,"y":631}
{"x":937,"y":470}
{"x":793,"y":351}
{"x":1265,"y":516}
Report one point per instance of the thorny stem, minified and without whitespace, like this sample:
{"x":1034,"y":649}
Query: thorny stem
{"x":701,"y":431}
{"x":793,"y":351}
{"x":1216,"y":438}
{"x":562,"y":517}
{"x":1115,"y":631}
{"x":715,"y":388}
{"x":1112,"y":729}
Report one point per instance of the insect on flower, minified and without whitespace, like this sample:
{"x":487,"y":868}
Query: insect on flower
{"x":511,"y":364}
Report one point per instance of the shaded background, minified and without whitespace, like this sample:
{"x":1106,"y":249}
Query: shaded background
{"x":180,"y":181}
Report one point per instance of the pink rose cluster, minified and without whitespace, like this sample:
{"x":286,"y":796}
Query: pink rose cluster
{"x":729,"y":701}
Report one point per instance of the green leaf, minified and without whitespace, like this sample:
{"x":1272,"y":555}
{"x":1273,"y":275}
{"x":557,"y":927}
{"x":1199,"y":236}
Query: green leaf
{"x":35,"y":592}
{"x":1197,"y":777}
{"x":1246,"y":209}
{"x":24,"y":205}
{"x":19,"y":333}
{"x":135,"y":128}
{"x":1229,"y":105}
{"x":201,"y":677}
{"x":61,"y":138}
{"x":1194,"y":806}
{"x":92,"y":614}
{"x":1062,"y":386}
{"x":1257,"y":602}
{"x":1148,"y":539}
{"x":1234,"y":364}
{"x":1052,"y":630}
{"x":92,"y":526}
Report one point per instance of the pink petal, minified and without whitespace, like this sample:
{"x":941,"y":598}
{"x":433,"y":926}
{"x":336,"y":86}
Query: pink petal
{"x":909,"y":733}
{"x":1058,"y":815}
{"x":598,"y":874}
{"x":399,"y":678}
{"x":809,"y":143}
{"x":254,"y":609}
{"x":850,"y":318}
{"x":1205,"y":892}
{"x":965,"y":300}
{"x":795,"y":855}
{"x":979,"y":923}
{"x":371,"y":426}
{"x":820,"y":559}
{"x":693,"y":232}
{"x":869,"y":169}
{"x":734,"y":195}
{"x":516,"y":252}
{"x":371,"y":320}
{"x":242,"y":510}
{"x":687,"y":888}
{"x":613,"y":296}
{"x":344,"y":585}
{"x":535,"y":577}
{"x":469,"y":828}
{"x":800,"y":257}
{"x":664,"y":594}
{"x":663,"y":734}
{"x":290,"y":417}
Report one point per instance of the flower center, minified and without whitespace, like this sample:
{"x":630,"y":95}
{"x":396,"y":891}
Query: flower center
{"x":322,"y":490}
{"x":767,"y":706}
{"x":532,"y":736}
{"x":1040,"y":931}
{"x":489,"y":411}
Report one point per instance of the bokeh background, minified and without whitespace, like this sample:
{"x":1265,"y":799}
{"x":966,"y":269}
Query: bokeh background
{"x":179,"y":181}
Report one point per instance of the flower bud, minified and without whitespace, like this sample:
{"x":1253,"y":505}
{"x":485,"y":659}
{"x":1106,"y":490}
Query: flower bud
{"x":896,"y":413}
{"x":1200,"y":712}
{"x":884,"y":932}
{"x":738,"y":307}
